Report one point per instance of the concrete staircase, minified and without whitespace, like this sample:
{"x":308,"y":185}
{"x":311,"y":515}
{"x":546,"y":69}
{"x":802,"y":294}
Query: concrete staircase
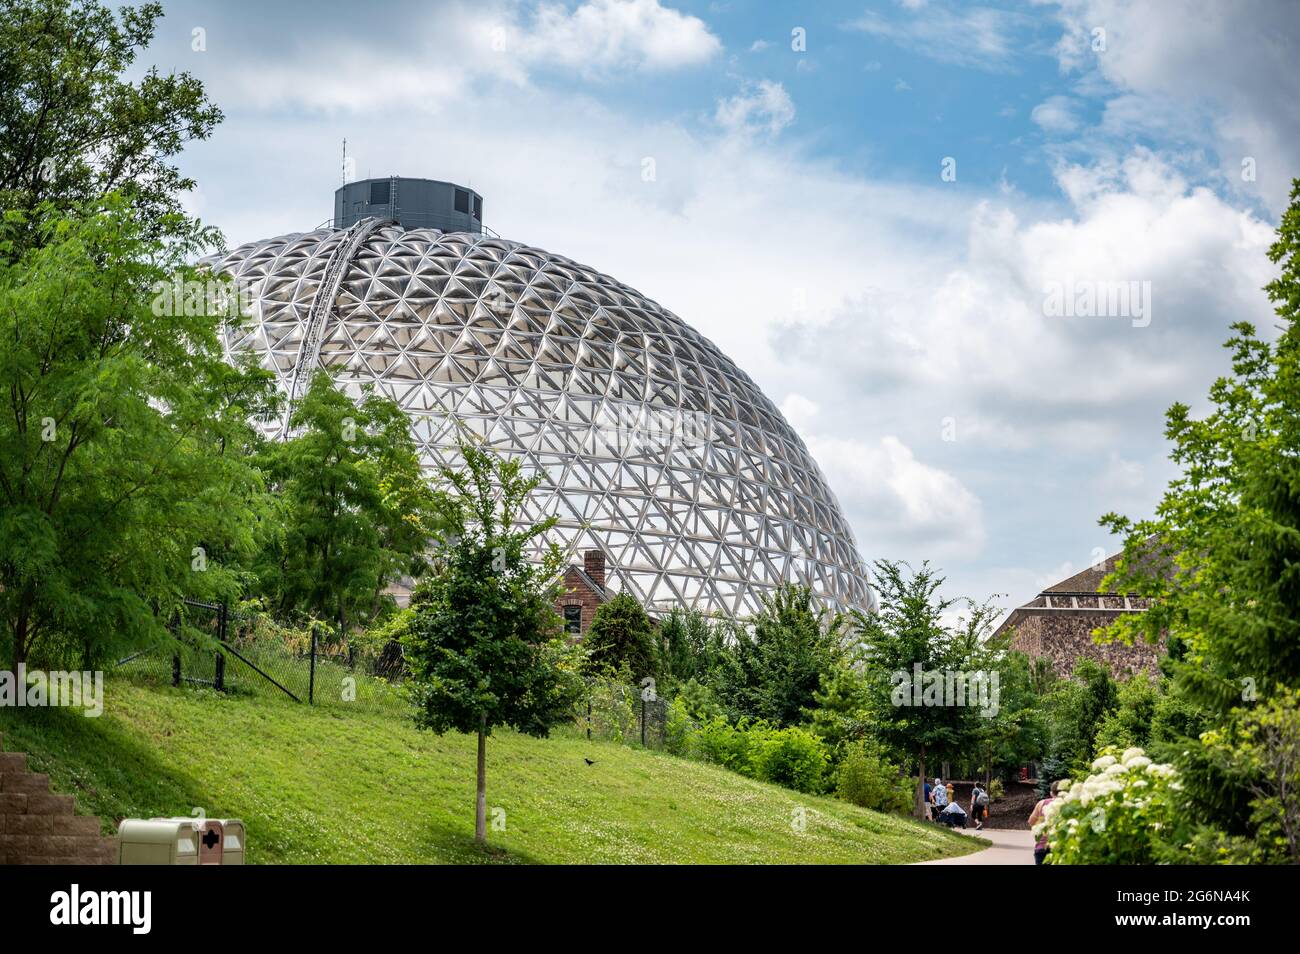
{"x":38,"y":827}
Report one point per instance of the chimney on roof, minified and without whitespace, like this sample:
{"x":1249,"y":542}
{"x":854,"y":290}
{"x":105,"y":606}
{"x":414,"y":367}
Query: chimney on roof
{"x":593,"y":564}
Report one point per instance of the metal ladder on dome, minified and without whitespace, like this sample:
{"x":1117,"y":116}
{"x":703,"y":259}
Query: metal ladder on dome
{"x":323,"y":305}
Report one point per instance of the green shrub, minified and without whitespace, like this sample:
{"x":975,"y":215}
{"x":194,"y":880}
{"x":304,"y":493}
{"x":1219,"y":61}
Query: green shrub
{"x":792,"y":757}
{"x":678,"y":727}
{"x":1051,"y":769}
{"x":867,"y":779}
{"x":721,"y":743}
{"x":693,"y":706}
{"x":1128,"y":812}
{"x":610,"y":707}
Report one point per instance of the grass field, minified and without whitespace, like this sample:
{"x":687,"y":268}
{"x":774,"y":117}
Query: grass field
{"x":336,"y":786}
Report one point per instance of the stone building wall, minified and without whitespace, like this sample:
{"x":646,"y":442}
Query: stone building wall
{"x":1062,"y":636}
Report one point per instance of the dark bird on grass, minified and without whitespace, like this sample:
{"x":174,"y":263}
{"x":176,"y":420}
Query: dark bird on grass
{"x":588,"y":761}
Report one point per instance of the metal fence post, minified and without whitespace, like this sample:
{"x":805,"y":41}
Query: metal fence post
{"x":219,"y":675}
{"x":311,"y":679}
{"x":643,"y":720}
{"x":588,"y":714}
{"x":176,"y":670}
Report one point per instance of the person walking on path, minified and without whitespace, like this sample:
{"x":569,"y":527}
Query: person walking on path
{"x":979,"y":802}
{"x":1041,"y":847}
{"x":938,"y":799}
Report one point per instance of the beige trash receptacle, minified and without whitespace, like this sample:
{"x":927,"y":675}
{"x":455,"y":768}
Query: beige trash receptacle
{"x":218,"y":838}
{"x":159,"y":841}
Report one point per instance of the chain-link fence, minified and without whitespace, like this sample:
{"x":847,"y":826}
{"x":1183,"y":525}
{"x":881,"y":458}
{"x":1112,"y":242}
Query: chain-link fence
{"x":214,"y":648}
{"x":621,"y":713}
{"x":210,"y":647}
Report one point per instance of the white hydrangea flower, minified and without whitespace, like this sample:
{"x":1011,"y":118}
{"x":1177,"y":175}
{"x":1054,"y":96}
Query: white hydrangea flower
{"x":1132,"y":753}
{"x":1103,"y":763}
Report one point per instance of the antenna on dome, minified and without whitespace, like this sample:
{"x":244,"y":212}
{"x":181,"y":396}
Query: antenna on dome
{"x":344,"y":169}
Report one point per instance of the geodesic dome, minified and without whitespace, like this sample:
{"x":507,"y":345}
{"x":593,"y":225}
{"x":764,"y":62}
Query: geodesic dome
{"x":651,"y":444}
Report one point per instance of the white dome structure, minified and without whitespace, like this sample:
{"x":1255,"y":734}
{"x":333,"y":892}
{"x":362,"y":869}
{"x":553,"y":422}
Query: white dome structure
{"x":651,"y":445}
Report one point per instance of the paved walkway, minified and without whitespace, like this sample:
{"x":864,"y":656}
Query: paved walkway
{"x":1009,"y":848}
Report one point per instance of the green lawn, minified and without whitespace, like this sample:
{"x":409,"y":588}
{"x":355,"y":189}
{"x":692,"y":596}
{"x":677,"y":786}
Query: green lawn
{"x":337,"y":786}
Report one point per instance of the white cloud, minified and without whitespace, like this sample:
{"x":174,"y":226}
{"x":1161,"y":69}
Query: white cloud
{"x":603,"y":35}
{"x":758,"y":46}
{"x":1056,"y":114}
{"x":1186,"y":65}
{"x":495,"y":44}
{"x":979,"y":37}
{"x":799,"y":411}
{"x":763,"y":106}
{"x":974,"y":328}
{"x":1121,"y":474}
{"x":896,"y":501}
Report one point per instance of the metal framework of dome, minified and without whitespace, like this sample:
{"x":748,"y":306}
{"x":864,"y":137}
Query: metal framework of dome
{"x":651,"y":444}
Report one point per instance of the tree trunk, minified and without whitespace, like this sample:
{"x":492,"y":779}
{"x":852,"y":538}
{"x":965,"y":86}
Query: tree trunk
{"x":919,"y":808}
{"x":21,"y":625}
{"x":480,"y":804}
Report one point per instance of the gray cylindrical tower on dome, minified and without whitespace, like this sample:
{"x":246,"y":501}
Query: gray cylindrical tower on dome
{"x":411,"y":203}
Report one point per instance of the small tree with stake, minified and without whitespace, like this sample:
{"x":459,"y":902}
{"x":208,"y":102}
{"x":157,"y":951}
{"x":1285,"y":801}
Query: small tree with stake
{"x":484,"y":644}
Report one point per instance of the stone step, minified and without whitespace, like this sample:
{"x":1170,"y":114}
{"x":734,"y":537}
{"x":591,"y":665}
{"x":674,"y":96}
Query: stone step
{"x":49,"y":804}
{"x":83,"y":825}
{"x":38,"y":849}
{"x":13,"y":763}
{"x":29,"y":783}
{"x":79,"y":826}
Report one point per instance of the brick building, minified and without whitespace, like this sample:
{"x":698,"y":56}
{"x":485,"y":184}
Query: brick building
{"x":583,"y":592}
{"x":1057,"y":625}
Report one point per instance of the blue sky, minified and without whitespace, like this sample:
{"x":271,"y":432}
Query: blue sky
{"x":798,"y":216}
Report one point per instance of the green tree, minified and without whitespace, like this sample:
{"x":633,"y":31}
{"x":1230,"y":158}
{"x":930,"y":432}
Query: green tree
{"x":1261,"y":745}
{"x":621,"y":633}
{"x":1076,"y":709}
{"x":685,"y":646}
{"x":484,"y":643}
{"x":354,"y":510}
{"x":778,"y":660}
{"x":1134,"y":716}
{"x":73,"y":128}
{"x":1017,"y":732}
{"x":1220,"y":560}
{"x":840,"y":713}
{"x":125,"y":480}
{"x":907,"y":635}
